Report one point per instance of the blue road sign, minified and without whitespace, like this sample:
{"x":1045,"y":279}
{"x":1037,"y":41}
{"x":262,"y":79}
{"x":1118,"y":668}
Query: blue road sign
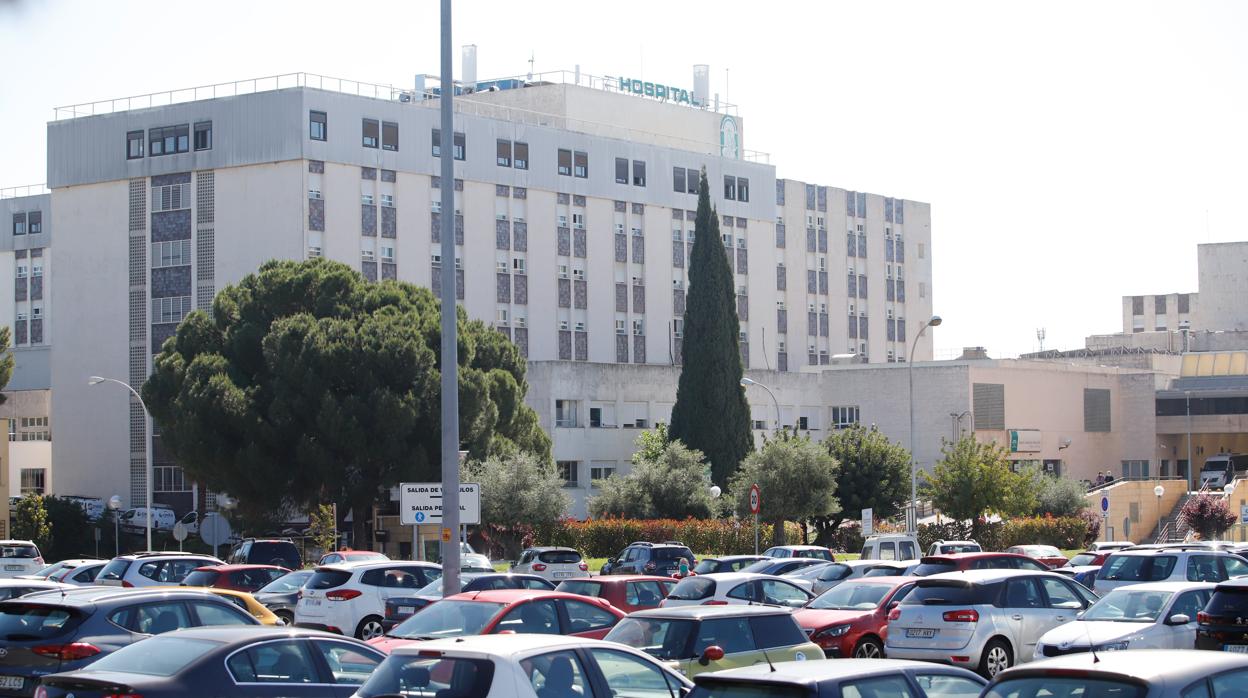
{"x":420,"y":516}
{"x":1105,"y":504}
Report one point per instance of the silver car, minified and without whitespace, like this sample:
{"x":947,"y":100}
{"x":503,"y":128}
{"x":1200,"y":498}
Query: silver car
{"x":987,"y":620}
{"x":1135,"y":674}
{"x":1160,"y":615}
{"x":820,"y":578}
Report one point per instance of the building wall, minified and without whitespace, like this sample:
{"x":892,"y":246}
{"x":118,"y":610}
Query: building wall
{"x":1160,"y":313}
{"x":4,"y":481}
{"x":25,"y":274}
{"x":1223,"y":278}
{"x":30,"y":440}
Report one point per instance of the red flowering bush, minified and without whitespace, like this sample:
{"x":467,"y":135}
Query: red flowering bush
{"x":1207,"y":514}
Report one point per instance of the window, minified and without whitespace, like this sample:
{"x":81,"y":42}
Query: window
{"x":203,"y":135}
{"x":389,"y":135}
{"x":169,"y":140}
{"x":170,"y":197}
{"x":584,"y":617}
{"x":502,"y":153}
{"x":621,"y":171}
{"x":35,"y":222}
{"x":730,"y":188}
{"x":460,"y":146}
{"x":601,"y":471}
{"x":844,"y":417}
{"x":522,"y":156}
{"x":317,"y":129}
{"x":517,"y":265}
{"x":282,"y":662}
{"x":555,"y":673}
{"x":639,"y":173}
{"x":134,"y":145}
{"x":892,"y":686}
{"x":366,"y":199}
{"x":565,"y":413}
{"x":678,"y":180}
{"x":578,"y":221}
{"x":173,"y":253}
{"x":437,"y":143}
{"x":639,"y":328}
{"x":387,"y":253}
{"x":580,"y":166}
{"x":621,"y":327}
{"x":33,"y":480}
{"x":172,"y":309}
{"x":387,"y":200}
{"x":350,"y":666}
{"x":565,"y":162}
{"x":370,"y":133}
{"x":169,"y":478}
{"x":693,"y":180}
{"x":567,"y":472}
{"x":743,"y":189}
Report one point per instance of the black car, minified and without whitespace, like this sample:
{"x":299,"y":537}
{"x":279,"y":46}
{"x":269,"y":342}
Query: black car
{"x":1223,"y":625}
{"x":56,"y":631}
{"x":783,"y":565}
{"x":400,"y":608}
{"x":660,"y":559}
{"x":266,"y":551}
{"x":237,"y":662}
{"x":727,"y":563}
{"x":282,"y":594}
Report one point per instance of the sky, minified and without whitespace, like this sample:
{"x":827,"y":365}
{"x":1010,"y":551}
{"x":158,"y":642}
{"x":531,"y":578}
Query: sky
{"x":1072,"y":152}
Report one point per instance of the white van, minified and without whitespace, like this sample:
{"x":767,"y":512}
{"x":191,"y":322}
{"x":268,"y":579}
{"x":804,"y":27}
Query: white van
{"x":1221,"y":469}
{"x":891,"y":546}
{"x":136,"y":519}
{"x":93,"y":506}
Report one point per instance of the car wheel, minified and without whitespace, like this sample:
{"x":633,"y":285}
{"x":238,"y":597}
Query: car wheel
{"x":868,"y":648}
{"x":287,"y":617}
{"x":996,"y":658}
{"x":369,"y":628}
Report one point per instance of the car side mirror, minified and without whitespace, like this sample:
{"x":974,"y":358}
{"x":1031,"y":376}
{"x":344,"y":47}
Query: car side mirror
{"x":610,"y":561}
{"x":1080,"y":614}
{"x":714,"y":653}
{"x":892,"y":605}
{"x":1179,"y":619}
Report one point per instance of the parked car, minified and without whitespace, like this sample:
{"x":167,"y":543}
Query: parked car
{"x":281,"y":552}
{"x":472,"y":561}
{"x":13,"y":588}
{"x":79,"y":575}
{"x":1157,"y":615}
{"x":1084,"y":574}
{"x":891,"y":546}
{"x":1137,"y":674}
{"x":727,"y":563}
{"x":555,"y":564}
{"x":350,"y":599}
{"x":238,"y":662}
{"x":851,"y":620}
{"x":1184,"y":563}
{"x":1048,"y":555}
{"x":152,"y":569}
{"x":135,"y":520}
{"x":93,"y":506}
{"x":19,"y":557}
{"x":736,"y":588}
{"x":874,"y":678}
{"x":945,"y":547}
{"x":1088,"y":557}
{"x":783,"y":565}
{"x":282,"y":594}
{"x":709,"y":638}
{"x":650,"y":558}
{"x":824,"y":577}
{"x":888,"y":568}
{"x":986,"y":619}
{"x":956,"y":562}
{"x":249,"y":604}
{"x":62,"y":630}
{"x":504,"y":611}
{"x":237,"y":577}
{"x":400,"y":608}
{"x":347,"y":555}
{"x":1110,"y":545}
{"x":1223,"y":622}
{"x":50,"y":571}
{"x":626,"y":592}
{"x":521,"y":666}
{"x":814,"y":551}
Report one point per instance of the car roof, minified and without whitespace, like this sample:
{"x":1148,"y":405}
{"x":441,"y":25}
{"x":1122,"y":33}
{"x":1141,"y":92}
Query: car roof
{"x":237,"y":567}
{"x":14,"y":541}
{"x":34,"y":582}
{"x":251,"y":633}
{"x":1174,"y":667}
{"x":968,"y":556}
{"x":892,"y":580}
{"x":548,"y":548}
{"x":1166,"y":586}
{"x":987,"y":576}
{"x":1238,"y":583}
{"x":731,"y":577}
{"x":509,"y":596}
{"x":622,"y":578}
{"x":956,"y":542}
{"x":349,"y":566}
{"x":728,"y":558}
{"x":797,"y":547}
{"x":1171,"y":549}
{"x":91,"y":595}
{"x":701,"y":612}
{"x":815,"y":672}
{"x":503,"y":645}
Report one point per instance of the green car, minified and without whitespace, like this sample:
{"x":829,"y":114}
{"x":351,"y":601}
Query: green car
{"x":696,"y":639}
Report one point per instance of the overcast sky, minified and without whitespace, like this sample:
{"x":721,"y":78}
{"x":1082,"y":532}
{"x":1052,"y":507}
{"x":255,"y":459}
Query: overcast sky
{"x":1072,"y":152}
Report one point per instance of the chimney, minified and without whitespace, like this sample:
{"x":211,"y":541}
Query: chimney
{"x":970,"y":353}
{"x":701,"y":84}
{"x":469,"y":66}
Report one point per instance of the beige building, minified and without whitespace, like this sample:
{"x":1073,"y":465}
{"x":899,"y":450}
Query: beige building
{"x":4,"y":483}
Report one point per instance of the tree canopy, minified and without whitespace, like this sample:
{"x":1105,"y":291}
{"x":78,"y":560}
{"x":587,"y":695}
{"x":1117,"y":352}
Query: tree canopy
{"x":309,"y":384}
{"x":6,"y":360}
{"x":520,"y":492}
{"x":796,"y":478}
{"x":668,"y":481}
{"x":973,"y":479}
{"x":873,"y":473}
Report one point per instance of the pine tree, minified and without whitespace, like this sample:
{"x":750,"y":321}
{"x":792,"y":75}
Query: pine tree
{"x":711,"y":414}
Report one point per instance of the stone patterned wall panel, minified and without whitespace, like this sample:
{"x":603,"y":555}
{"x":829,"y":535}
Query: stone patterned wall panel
{"x":316,"y":166}
{"x":901,"y":330}
{"x":745,"y":353}
{"x":20,"y":336}
{"x":20,"y":289}
{"x":901,"y":291}
{"x":743,"y":261}
{"x":852,"y":327}
{"x":565,"y":293}
{"x":459,"y":284}
{"x":387,"y":175}
{"x":171,"y":225}
{"x":862,"y":245}
{"x":899,"y":215}
{"x":580,"y":244}
{"x":459,"y":229}
{"x":580,"y":294}
{"x":621,"y":247}
{"x":678,"y":302}
{"x":678,"y":215}
{"x":316,"y":214}
{"x":900,"y":251}
{"x":823,"y":282}
{"x":520,"y":236}
{"x":779,"y":192}
{"x":639,"y":299}
{"x":435,"y":282}
{"x":639,"y":249}
{"x":621,"y":348}
{"x":369,"y":269}
{"x":171,"y":281}
{"x":564,"y":241}
{"x":521,"y":283}
{"x":782,"y":320}
{"x":812,"y":282}
{"x":36,"y":288}
{"x":851,"y":286}
{"x":459,"y":185}
{"x":822,"y":196}
{"x":812,"y":324}
{"x":502,"y":288}
{"x":743,"y":308}
{"x":565,"y":345}
{"x":823,"y":240}
{"x":862,"y":285}
{"x":522,"y":341}
{"x":823,"y":324}
{"x":782,"y":361}
{"x":435,"y":227}
{"x":389,"y":221}
{"x":888,"y":249}
{"x":639,"y":348}
{"x":780,"y":232}
{"x":678,"y":254}
{"x":36,"y":331}
{"x":678,"y":351}
{"x":176,"y":178}
{"x":742,"y":222}
{"x":810,"y":196}
{"x":582,"y":346}
{"x":502,"y":235}
{"x":811,"y":240}
{"x":160,"y":333}
{"x":863,"y":328}
{"x":368,"y":220}
{"x":782,"y":278}
{"x":727,"y":221}
{"x":389,"y":271}
{"x":690,"y":255}
{"x":850,"y":245}
{"x":691,"y":215}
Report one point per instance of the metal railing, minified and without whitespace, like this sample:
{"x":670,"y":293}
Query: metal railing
{"x":24,"y":190}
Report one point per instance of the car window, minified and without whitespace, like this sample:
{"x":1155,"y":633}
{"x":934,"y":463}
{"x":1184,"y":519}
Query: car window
{"x":746,"y":591}
{"x":907,"y":550}
{"x":645,"y":594}
{"x":89,"y":574}
{"x":582,"y":587}
{"x":888,"y":551}
{"x":628,"y":676}
{"x":284,"y":661}
{"x":429,"y":676}
{"x":349,"y":665}
{"x":174,"y":571}
{"x":1233,"y":567}
{"x":1066,"y":687}
{"x":559,"y":557}
{"x":532,"y":617}
{"x":776,"y":631}
{"x":692,"y":589}
{"x":782,"y":593}
{"x":153,"y":618}
{"x":1200,"y":689}
{"x":331,"y":559}
{"x":557,"y":674}
{"x":884,"y":687}
{"x":1029,"y":564}
{"x":1229,"y":684}
{"x":1190,"y":603}
{"x":540,"y":584}
{"x":584,"y":617}
{"x":1023,"y":593}
{"x":829,"y":573}
{"x":946,"y":686}
{"x":149,"y":569}
{"x":1203,"y":568}
{"x":1060,"y":594}
{"x":928,"y":568}
{"x":1137,"y":568}
{"x":219,"y":614}
{"x":730,"y":634}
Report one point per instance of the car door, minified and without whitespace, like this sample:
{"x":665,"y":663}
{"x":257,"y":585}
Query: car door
{"x":539,"y":617}
{"x":1205,"y":568}
{"x":276,"y":669}
{"x":1063,"y":602}
{"x":584,"y":619}
{"x":733,"y":636}
{"x":344,"y":664}
{"x":212,"y":613}
{"x":779,"y":593}
{"x":629,"y":676}
{"x":1232,"y":566}
{"x":1183,"y":636}
{"x":1026,"y":614}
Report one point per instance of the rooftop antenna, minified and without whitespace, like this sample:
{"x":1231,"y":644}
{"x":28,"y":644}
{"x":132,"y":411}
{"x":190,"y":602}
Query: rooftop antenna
{"x":1040,"y":336}
{"x":530,"y":66}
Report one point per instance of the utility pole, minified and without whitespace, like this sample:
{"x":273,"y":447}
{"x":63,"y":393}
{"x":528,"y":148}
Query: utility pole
{"x":450,"y":340}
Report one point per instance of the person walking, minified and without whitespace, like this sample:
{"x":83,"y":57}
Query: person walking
{"x":1100,"y":478}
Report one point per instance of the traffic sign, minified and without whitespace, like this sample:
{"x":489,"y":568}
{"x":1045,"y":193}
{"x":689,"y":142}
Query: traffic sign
{"x":756,"y":499}
{"x":214,"y":529}
{"x":179,"y":531}
{"x":868,"y":522}
{"x":1105,"y":504}
{"x":446,"y":535}
{"x":421,"y":503}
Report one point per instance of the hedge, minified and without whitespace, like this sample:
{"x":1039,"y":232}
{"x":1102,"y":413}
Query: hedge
{"x":607,"y":537}
{"x":1066,"y":533}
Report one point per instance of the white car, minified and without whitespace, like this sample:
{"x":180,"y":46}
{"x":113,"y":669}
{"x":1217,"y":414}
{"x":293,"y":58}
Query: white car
{"x":744,"y":588}
{"x":54,"y":569}
{"x":350,"y":599}
{"x":152,"y":569}
{"x":19,"y":557}
{"x":522,"y":666}
{"x":13,"y":588}
{"x":1160,"y":615}
{"x":472,"y":561}
{"x":82,"y":574}
{"x":819,"y":579}
{"x":552,"y":564}
{"x":1192,"y":563}
{"x":1101,"y":546}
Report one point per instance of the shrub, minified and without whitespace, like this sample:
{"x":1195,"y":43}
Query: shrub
{"x":949,"y":530}
{"x":1207,"y":515}
{"x":1065,"y":533}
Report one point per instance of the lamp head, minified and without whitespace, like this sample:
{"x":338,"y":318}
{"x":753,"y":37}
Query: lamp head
{"x":935,"y":321}
{"x":1159,"y":490}
{"x":94,"y":380}
{"x":746,"y":381}
{"x":114,"y":502}
{"x":715,"y":491}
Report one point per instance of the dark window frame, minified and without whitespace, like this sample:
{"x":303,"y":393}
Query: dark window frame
{"x":730,"y":188}
{"x":679,"y":175}
{"x":520,"y":163}
{"x":743,"y":189}
{"x":370,"y":133}
{"x":133,"y":137}
{"x":503,"y":152}
{"x":202,"y":128}
{"x":563,"y":162}
{"x":390,"y":135}
{"x":618,"y":163}
{"x":639,"y":173}
{"x":460,"y":143}
{"x":169,"y":140}
{"x":313,"y":122}
{"x":580,"y":164}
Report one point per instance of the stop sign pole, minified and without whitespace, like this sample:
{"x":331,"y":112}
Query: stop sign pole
{"x":756,"y":501}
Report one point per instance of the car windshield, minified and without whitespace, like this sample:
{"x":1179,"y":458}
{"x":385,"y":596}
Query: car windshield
{"x":706,"y":566}
{"x":581,"y":587}
{"x":928,"y":568}
{"x":19,"y":621}
{"x":852,"y":597}
{"x":1129,"y":605}
{"x":559,"y":557}
{"x":114,"y":570}
{"x":665,"y":638}
{"x":287,"y":582}
{"x":885,"y":571}
{"x":434,"y":588}
{"x":1137,"y":568}
{"x":761,"y":565}
{"x":959,"y":548}
{"x":327,"y":579}
{"x":405,"y":675}
{"x":22,"y":551}
{"x":671,"y":553}
{"x":1048,"y":686}
{"x":692,"y":589}
{"x":1083,"y":559}
{"x":815,"y":553}
{"x":1042,"y":551}
{"x":448,"y":619}
{"x":933,"y":593}
{"x":160,"y":656}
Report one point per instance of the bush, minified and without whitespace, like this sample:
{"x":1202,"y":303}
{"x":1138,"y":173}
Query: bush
{"x":1065,"y":532}
{"x":950,"y":530}
{"x":846,"y":538}
{"x":1207,"y":515}
{"x":607,"y":537}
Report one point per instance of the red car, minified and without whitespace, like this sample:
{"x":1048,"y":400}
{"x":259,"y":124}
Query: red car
{"x":1089,"y":557}
{"x":851,"y":618}
{"x":246,"y":578}
{"x":957,"y":562}
{"x":348,"y":555}
{"x":504,"y":611}
{"x":1048,"y":555}
{"x":627,"y":592}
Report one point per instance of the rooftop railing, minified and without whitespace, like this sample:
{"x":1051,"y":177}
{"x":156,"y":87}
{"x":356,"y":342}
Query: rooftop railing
{"x":24,"y":190}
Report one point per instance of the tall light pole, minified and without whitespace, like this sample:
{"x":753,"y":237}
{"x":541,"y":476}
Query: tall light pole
{"x":750,"y":381}
{"x":1159,"y":491}
{"x":147,"y":474}
{"x":450,"y":340}
{"x":913,"y":524}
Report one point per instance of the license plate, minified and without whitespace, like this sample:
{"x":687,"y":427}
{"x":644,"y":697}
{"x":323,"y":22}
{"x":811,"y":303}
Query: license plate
{"x":13,"y":568}
{"x":1239,"y":649}
{"x":13,"y":683}
{"x":409,"y":610}
{"x":561,"y":575}
{"x":920,"y":632}
{"x":312,"y":602}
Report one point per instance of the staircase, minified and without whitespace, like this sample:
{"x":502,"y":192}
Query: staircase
{"x":1169,"y":530}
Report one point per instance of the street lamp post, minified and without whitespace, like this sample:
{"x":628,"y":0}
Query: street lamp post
{"x":750,"y":381}
{"x":147,"y":473}
{"x":1159,"y":490}
{"x":114,"y":503}
{"x":913,"y":524}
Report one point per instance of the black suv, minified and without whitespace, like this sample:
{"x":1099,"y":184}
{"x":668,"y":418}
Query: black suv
{"x":650,"y":558}
{"x":1223,"y":625}
{"x":266,"y":551}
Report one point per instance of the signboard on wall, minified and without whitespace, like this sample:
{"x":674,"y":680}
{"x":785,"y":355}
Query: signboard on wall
{"x":1024,"y":440}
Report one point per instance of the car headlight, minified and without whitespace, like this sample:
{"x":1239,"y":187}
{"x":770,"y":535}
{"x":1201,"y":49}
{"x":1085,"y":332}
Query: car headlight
{"x":834,"y":631}
{"x":1112,"y":646}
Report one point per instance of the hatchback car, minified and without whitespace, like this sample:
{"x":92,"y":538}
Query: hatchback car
{"x":13,"y":588}
{"x":339,"y":556}
{"x":281,"y":552}
{"x":650,"y":558}
{"x":863,"y":678}
{"x":555,"y":564}
{"x":1136,"y":674}
{"x":237,"y":577}
{"x":696,"y":639}
{"x":824,"y":577}
{"x":400,"y":608}
{"x":986,"y":619}
{"x":626,"y":592}
{"x":282,"y":594}
{"x":945,"y":547}
{"x":955,"y":562}
{"x":783,"y":565}
{"x":1223,"y":622}
{"x":350,"y":599}
{"x":151,"y":569}
{"x":18,"y":557}
{"x":1048,"y":555}
{"x":242,"y":662}
{"x":1176,"y":564}
{"x":522,"y":666}
{"x":1109,"y":546}
{"x":79,"y":575}
{"x":1158,"y":615}
{"x":736,"y":588}
{"x":851,"y":620}
{"x":56,"y":568}
{"x":49,"y":632}
{"x":504,"y":611}
{"x":726,"y":563}
{"x":815,"y":551}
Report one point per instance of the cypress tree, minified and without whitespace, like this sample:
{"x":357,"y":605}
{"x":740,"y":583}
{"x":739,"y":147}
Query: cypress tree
{"x":711,"y":414}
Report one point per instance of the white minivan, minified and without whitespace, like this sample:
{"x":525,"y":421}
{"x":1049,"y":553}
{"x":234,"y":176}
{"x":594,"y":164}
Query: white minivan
{"x":891,"y":546}
{"x":136,"y":519}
